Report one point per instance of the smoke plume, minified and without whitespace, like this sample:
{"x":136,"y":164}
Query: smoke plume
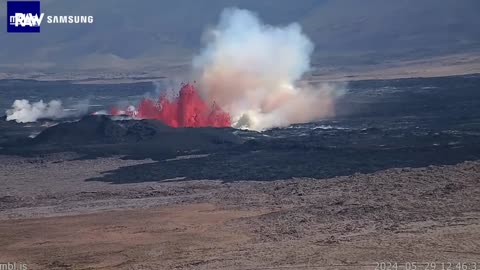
{"x":253,"y":71}
{"x":23,"y":111}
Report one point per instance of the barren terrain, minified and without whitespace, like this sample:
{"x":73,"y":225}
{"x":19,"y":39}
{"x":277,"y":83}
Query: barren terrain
{"x":53,"y":219}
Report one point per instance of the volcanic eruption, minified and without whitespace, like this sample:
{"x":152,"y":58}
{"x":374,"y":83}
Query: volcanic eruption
{"x":187,"y":110}
{"x":254,"y":72}
{"x":250,"y":75}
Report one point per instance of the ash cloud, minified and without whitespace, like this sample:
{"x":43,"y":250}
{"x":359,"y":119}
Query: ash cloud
{"x":23,"y":111}
{"x":254,"y":71}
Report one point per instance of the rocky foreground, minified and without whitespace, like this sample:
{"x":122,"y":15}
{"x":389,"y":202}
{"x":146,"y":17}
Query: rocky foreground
{"x":55,"y":217}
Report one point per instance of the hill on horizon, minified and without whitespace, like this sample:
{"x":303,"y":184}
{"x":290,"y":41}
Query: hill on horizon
{"x":142,"y":35}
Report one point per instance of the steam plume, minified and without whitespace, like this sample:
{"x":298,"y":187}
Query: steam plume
{"x":253,"y":71}
{"x":23,"y":111}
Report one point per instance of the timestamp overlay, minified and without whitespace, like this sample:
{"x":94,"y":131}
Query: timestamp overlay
{"x":432,"y":265}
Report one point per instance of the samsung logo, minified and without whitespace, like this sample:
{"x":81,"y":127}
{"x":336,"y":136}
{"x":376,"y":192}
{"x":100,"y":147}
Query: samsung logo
{"x":70,"y":19}
{"x":25,"y":17}
{"x":22,"y":19}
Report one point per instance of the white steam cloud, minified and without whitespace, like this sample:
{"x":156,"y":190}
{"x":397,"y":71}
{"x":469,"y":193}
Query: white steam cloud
{"x":23,"y":111}
{"x":253,"y":71}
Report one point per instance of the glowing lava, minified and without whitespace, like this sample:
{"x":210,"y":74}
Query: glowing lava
{"x":187,"y":110}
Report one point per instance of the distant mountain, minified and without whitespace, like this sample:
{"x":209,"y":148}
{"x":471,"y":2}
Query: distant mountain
{"x":405,"y":29}
{"x":148,"y":33}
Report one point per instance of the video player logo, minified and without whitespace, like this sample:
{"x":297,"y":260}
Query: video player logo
{"x":24,"y":16}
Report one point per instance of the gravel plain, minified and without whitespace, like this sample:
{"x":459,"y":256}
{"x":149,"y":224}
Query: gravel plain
{"x":53,"y":219}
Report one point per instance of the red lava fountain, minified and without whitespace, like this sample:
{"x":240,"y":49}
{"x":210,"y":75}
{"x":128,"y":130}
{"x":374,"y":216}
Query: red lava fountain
{"x":186,"y":110}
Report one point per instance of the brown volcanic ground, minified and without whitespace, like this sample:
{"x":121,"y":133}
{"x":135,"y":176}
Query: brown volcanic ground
{"x":53,"y":219}
{"x":176,"y":199}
